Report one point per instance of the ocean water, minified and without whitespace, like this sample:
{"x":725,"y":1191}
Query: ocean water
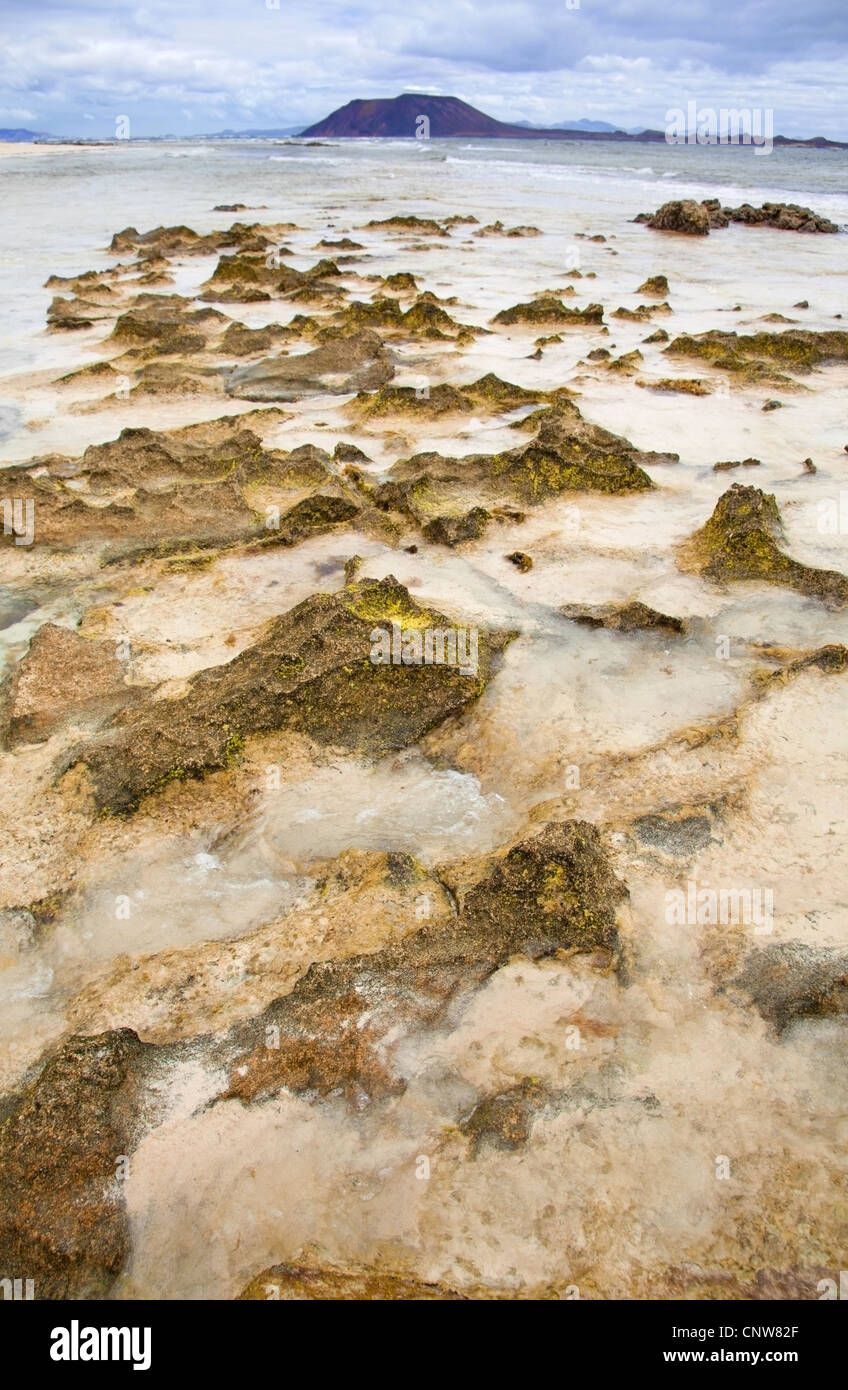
{"x":62,"y":207}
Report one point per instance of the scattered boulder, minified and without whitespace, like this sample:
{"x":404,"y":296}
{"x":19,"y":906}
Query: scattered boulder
{"x":453,"y":530}
{"x":656,"y":286}
{"x":686,"y":216}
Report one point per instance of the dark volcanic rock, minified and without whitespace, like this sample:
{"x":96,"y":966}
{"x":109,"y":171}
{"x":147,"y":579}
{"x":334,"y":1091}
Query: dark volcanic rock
{"x":684,"y":216}
{"x":698,"y":218}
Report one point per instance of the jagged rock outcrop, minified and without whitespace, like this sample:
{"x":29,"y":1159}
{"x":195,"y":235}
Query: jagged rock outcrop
{"x":313,"y":672}
{"x":740,"y":541}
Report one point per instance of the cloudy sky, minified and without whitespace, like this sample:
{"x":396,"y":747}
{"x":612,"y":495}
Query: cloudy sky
{"x":196,"y":66}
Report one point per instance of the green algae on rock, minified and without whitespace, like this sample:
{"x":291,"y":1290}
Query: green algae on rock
{"x":755,"y":355}
{"x":313,"y":671}
{"x":159,"y":491}
{"x":567,"y":454}
{"x":549,"y":309}
{"x":488,"y":392}
{"x":311,"y":516}
{"x":454,"y":530}
{"x":740,"y":542}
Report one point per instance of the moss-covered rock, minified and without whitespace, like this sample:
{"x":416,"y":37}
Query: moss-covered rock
{"x":489,"y":393}
{"x":740,"y":541}
{"x":755,"y":355}
{"x":567,"y":454}
{"x":312,"y":516}
{"x":550,"y":309}
{"x":157,"y":491}
{"x":313,"y":672}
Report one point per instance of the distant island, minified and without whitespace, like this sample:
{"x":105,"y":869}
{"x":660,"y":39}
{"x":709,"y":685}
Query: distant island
{"x":398,"y":118}
{"x":450,"y":118}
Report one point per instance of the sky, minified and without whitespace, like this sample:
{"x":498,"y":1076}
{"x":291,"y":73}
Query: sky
{"x":191,"y":67}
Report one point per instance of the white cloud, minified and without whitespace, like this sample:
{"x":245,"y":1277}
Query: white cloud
{"x":236,"y":61}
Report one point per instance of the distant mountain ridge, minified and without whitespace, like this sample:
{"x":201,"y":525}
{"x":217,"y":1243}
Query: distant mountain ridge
{"x":20,"y":136}
{"x":449,"y":118}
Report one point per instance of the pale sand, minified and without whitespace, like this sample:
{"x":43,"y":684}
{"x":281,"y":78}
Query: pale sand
{"x":23,"y":147}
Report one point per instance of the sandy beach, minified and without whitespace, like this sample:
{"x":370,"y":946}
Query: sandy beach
{"x":496,"y":977}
